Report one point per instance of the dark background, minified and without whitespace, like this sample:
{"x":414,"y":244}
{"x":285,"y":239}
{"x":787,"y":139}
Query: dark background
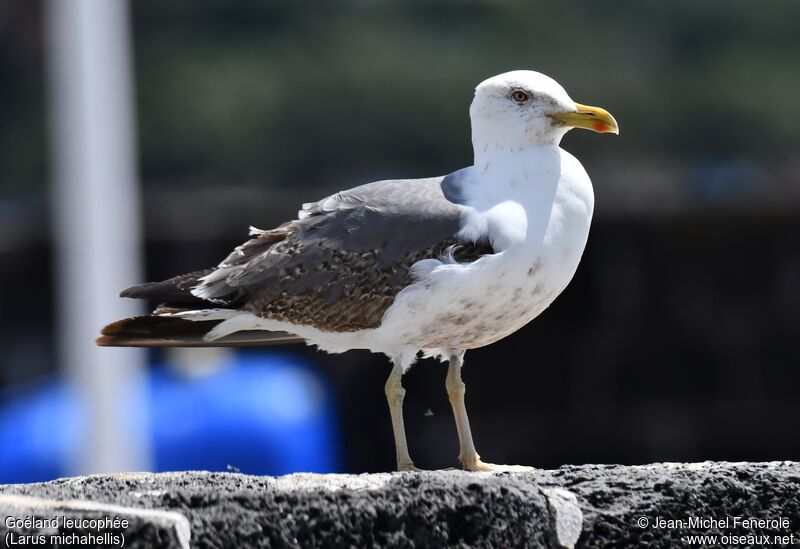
{"x":678,"y":338}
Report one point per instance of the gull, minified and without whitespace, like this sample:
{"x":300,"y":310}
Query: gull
{"x":404,"y":267}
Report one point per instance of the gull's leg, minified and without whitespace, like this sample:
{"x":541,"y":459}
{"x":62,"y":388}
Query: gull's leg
{"x":394,"y":396}
{"x":455,"y":392}
{"x":467,"y":455}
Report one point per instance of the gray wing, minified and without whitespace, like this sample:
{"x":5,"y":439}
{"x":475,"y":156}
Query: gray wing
{"x":340,"y":266}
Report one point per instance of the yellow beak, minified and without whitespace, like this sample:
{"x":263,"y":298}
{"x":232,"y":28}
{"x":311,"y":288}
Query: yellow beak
{"x":588,"y":118}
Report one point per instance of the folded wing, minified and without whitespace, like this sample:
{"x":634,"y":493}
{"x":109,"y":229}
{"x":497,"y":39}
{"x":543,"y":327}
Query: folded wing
{"x":336,"y":268}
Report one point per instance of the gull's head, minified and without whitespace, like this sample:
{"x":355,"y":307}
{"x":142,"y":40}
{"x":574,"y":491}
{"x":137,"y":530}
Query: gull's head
{"x":521,"y":108}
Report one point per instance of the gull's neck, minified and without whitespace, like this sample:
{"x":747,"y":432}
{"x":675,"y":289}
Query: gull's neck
{"x":513,"y":162}
{"x":522,"y":175}
{"x":488,"y":156}
{"x":488,"y":148}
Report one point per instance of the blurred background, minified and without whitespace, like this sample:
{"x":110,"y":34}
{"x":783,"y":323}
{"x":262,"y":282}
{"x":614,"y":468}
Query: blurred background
{"x":139,"y":141}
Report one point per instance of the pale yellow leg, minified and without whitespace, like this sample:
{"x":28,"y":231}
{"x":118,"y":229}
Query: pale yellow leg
{"x":394,"y":396}
{"x":467,"y":455}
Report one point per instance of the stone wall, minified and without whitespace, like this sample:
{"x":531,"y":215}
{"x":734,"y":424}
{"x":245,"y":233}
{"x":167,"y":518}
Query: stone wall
{"x":581,"y":506}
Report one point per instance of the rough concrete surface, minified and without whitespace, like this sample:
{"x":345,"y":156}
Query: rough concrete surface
{"x":582,"y":506}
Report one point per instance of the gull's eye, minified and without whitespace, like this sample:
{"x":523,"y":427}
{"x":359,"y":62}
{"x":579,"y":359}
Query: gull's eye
{"x":519,"y":96}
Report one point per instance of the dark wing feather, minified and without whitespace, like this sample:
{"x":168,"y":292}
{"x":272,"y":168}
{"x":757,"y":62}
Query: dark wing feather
{"x":173,"y":292}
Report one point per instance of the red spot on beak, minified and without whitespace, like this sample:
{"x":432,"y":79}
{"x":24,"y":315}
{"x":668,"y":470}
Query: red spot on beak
{"x":600,"y":127}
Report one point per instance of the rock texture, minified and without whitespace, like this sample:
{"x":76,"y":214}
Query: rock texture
{"x":581,"y":506}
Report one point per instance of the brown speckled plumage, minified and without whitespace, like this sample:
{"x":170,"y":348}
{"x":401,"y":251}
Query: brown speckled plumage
{"x":352,"y":292}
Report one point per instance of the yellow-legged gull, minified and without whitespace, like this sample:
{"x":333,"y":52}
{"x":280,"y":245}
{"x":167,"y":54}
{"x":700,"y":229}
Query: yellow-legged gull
{"x":438,"y":265}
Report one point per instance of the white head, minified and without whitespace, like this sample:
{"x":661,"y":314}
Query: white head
{"x":518,"y":109}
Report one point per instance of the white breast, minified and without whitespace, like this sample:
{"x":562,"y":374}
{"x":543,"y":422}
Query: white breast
{"x":536,"y":213}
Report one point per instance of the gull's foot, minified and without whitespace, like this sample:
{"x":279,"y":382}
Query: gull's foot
{"x":407,"y":466}
{"x":475,"y":464}
{"x":411,"y":467}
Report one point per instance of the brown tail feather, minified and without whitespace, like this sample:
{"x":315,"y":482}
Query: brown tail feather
{"x":159,"y":331}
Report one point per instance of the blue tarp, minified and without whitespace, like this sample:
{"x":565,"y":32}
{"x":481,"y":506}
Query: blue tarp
{"x":261,"y":413}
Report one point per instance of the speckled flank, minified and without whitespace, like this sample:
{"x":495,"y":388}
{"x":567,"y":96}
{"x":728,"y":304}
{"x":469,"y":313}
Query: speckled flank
{"x":470,"y":325}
